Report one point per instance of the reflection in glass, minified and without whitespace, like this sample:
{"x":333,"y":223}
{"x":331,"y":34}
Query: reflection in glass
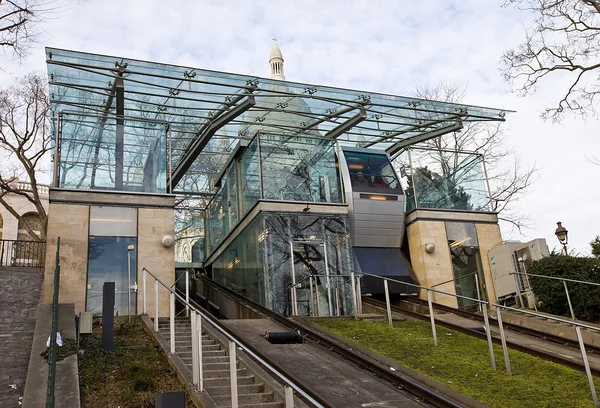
{"x":466,"y":263}
{"x":442,"y":179}
{"x":371,"y":170}
{"x":89,"y":151}
{"x":107,"y":262}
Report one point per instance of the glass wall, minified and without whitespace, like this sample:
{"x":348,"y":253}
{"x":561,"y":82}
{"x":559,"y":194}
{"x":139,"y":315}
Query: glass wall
{"x":278,"y":252}
{"x":466,"y":263}
{"x":100,"y":154}
{"x":273,"y":167}
{"x":298,"y":169}
{"x":434,"y":178}
{"x":241,"y":267}
{"x":112,"y":257}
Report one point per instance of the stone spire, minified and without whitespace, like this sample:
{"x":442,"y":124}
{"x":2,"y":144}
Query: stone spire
{"x":276,"y":62}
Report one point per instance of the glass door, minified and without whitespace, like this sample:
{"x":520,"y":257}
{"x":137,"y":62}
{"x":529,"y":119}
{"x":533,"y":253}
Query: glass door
{"x":112,"y":257}
{"x":111,"y":261}
{"x":311,"y":283}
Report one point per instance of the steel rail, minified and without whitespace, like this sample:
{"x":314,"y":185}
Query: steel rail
{"x":411,"y":386}
{"x":496,"y":338}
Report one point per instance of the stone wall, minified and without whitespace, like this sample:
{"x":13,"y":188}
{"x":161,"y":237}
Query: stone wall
{"x":488,"y":235}
{"x":70,"y":223}
{"x":428,"y":226}
{"x":153,"y":225}
{"x":434,"y":268}
{"x":69,"y":219}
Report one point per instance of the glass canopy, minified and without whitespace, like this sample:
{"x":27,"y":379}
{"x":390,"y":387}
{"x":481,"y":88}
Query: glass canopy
{"x":199,"y":115}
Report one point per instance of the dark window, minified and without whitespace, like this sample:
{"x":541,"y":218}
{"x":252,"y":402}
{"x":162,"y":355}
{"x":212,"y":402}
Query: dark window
{"x":371,"y":171}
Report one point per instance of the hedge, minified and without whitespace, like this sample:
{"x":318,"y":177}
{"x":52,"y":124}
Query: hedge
{"x":585,"y":298}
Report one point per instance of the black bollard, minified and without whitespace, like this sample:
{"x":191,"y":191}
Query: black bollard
{"x":108,"y":315}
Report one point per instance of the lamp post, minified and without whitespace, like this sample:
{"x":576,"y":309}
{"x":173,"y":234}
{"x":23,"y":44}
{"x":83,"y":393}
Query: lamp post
{"x":563,"y":236}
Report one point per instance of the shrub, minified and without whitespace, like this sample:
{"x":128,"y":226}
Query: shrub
{"x":585,"y":298}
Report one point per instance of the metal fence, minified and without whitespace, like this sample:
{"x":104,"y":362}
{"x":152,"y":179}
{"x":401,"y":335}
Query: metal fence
{"x":499,"y":308}
{"x":17,"y":253}
{"x":199,"y":318}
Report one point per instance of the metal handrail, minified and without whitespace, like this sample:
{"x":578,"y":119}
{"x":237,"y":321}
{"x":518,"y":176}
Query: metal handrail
{"x":556,"y":278}
{"x":230,"y":337}
{"x":452,"y":280}
{"x":427,"y":288}
{"x":484,"y":304}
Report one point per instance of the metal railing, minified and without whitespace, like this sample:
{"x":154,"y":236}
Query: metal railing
{"x":564,"y":281}
{"x":52,"y":350}
{"x":459,"y":278}
{"x":197,"y":318}
{"x":484,"y":309}
{"x":314,"y":306}
{"x":18,"y":253}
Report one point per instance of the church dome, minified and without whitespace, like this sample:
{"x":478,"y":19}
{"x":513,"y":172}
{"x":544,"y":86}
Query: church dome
{"x":275,"y":52}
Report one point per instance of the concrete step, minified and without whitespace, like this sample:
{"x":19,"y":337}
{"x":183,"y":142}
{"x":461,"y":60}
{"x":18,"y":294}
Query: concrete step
{"x":224,"y":382}
{"x":257,"y":398}
{"x":223,"y":373}
{"x":242,"y":389}
{"x":259,"y":405}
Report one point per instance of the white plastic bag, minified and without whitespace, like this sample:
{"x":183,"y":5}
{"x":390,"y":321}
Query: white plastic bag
{"x":58,"y":340}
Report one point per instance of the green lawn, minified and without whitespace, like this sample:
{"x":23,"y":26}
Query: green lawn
{"x":462,"y":363}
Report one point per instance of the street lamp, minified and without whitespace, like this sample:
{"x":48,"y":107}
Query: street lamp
{"x":563,"y":235}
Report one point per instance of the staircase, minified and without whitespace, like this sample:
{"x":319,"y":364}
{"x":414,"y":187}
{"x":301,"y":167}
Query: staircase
{"x":215,"y":356}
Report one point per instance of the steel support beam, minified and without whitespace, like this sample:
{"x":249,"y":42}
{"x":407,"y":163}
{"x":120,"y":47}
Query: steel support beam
{"x":120,"y":134}
{"x":423,"y":137}
{"x":204,"y":135}
{"x":347,"y":125}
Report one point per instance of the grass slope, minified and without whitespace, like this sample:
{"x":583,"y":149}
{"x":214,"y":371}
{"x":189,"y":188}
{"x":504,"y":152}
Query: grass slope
{"x":129,"y":376}
{"x":462,"y":363}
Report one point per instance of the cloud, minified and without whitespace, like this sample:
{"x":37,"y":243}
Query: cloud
{"x":384,"y":46}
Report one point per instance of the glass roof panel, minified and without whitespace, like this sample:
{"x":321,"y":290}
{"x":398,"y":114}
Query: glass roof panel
{"x":189,"y":99}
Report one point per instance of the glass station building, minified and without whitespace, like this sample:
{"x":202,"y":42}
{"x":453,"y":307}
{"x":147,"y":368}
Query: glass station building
{"x":245,"y":173}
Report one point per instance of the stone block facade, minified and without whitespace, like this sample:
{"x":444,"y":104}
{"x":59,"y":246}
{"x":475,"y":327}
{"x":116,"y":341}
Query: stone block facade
{"x":429,"y":227}
{"x":69,"y":219}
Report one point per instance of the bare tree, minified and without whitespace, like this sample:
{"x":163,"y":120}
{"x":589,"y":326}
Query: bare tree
{"x":509,"y":180}
{"x":20,"y":23}
{"x":24,"y":142}
{"x":563,"y":38}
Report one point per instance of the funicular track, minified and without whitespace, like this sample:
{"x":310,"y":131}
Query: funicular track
{"x":403,"y":384}
{"x":540,"y":336}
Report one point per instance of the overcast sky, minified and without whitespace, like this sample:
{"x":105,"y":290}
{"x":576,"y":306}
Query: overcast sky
{"x":384,"y":46}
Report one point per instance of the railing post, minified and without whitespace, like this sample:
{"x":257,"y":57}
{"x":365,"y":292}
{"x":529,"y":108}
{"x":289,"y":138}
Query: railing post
{"x":478,"y":292}
{"x":586,"y":364}
{"x":289,"y":396}
{"x":194,"y":348}
{"x":233,"y":370}
{"x":354,"y":298}
{"x":337,"y":301}
{"x":199,"y":348}
{"x":359,"y":294}
{"x":488,"y":334}
{"x":155,"y":305}
{"x":187,"y":293}
{"x":144,"y":290}
{"x":387,"y":302}
{"x":503,"y":339}
{"x":311,"y":309}
{"x":432,"y":318}
{"x":318,"y":302}
{"x":172,"y":320}
{"x":569,"y":300}
{"x":293,"y":300}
